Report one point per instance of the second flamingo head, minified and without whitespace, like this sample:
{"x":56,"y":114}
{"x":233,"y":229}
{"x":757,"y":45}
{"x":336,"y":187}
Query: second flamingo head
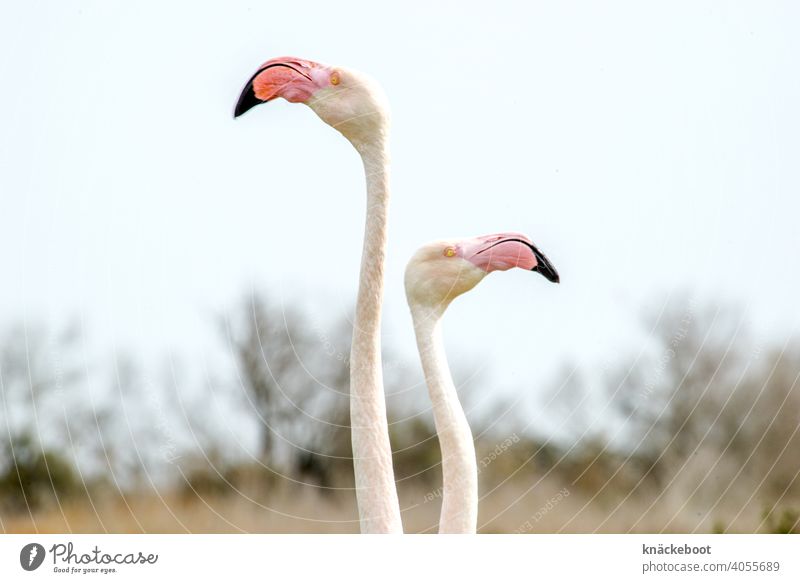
{"x":443,"y":270}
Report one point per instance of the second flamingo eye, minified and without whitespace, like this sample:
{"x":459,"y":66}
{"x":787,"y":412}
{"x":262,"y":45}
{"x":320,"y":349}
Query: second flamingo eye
{"x":449,"y":252}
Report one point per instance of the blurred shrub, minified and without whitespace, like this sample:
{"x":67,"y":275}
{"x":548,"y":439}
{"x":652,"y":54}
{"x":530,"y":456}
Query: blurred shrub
{"x":785,"y":521}
{"x":31,"y":476}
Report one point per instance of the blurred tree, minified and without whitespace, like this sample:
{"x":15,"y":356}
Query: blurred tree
{"x":34,"y":386}
{"x":708,"y":418}
{"x":31,"y":475}
{"x":294,"y":378}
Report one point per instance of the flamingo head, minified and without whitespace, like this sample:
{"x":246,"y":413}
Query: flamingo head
{"x":443,"y":270}
{"x":347,"y":100}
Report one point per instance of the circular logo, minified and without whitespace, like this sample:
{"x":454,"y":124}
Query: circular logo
{"x":31,"y":556}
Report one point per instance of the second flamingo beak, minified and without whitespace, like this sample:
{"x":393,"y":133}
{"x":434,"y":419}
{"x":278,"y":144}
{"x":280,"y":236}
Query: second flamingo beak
{"x":289,"y":77}
{"x":506,"y":251}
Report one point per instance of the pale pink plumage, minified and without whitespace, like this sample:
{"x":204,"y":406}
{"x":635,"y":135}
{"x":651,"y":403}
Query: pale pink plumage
{"x":355,"y":106}
{"x":437,"y":274}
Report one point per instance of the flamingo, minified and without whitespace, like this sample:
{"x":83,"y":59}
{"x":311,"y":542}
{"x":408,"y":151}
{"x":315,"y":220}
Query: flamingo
{"x":356,"y":106}
{"x":436,"y":274}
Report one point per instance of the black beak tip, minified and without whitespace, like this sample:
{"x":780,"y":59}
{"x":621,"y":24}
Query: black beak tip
{"x":247,"y":101}
{"x":544,"y":267}
{"x":548,"y":271}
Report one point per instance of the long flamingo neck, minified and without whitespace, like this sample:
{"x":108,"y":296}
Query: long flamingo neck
{"x":459,"y":468}
{"x":378,"y":506}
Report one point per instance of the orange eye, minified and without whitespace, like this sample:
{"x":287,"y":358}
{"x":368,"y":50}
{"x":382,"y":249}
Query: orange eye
{"x":335,"y":78}
{"x":449,"y":252}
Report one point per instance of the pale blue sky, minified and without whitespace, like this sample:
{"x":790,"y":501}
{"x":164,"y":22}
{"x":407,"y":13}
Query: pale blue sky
{"x":647,"y":150}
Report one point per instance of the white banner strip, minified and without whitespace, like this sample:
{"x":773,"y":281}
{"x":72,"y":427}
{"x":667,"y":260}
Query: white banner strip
{"x":410,"y":558}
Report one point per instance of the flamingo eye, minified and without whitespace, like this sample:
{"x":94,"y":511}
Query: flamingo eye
{"x":449,"y":252}
{"x":335,"y":78}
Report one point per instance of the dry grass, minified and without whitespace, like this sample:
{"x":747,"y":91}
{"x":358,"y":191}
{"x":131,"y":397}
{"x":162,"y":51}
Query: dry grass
{"x":511,"y":508}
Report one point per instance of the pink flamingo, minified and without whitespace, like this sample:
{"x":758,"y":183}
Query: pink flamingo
{"x":356,"y":106}
{"x":436,"y":274}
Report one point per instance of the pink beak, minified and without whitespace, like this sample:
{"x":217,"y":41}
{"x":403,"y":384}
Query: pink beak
{"x":289,"y":77}
{"x":504,"y":251}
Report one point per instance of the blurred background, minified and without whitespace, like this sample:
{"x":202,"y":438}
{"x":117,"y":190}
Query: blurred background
{"x":178,"y":287}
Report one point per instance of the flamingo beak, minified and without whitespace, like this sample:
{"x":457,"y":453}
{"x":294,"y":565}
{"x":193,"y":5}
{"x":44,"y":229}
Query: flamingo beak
{"x":289,"y":77}
{"x":506,"y":251}
{"x":247,"y":100}
{"x":544,"y":267}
